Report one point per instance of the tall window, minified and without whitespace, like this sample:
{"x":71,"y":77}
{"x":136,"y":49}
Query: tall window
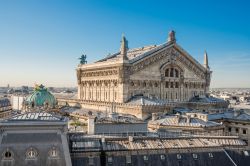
{"x":167,"y":73}
{"x":167,"y":85}
{"x":176,"y":73}
{"x":172,"y":85}
{"x":171,"y":72}
{"x":176,"y":84}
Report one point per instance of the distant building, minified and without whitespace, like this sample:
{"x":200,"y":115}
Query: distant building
{"x":5,"y":108}
{"x":236,"y":123}
{"x":18,"y":102}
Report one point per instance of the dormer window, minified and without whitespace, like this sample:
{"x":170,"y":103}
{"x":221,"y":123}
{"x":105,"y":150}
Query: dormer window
{"x":7,"y":155}
{"x":53,"y":152}
{"x":178,"y":156}
{"x":31,"y":153}
{"x":210,"y":155}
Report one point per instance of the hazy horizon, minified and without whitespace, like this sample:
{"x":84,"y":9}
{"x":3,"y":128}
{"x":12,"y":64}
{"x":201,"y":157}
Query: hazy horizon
{"x":42,"y":40}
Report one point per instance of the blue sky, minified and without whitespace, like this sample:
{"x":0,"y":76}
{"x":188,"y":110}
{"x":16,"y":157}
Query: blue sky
{"x":41,"y":40}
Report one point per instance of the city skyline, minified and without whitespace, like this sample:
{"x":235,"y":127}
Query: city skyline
{"x":41,"y":41}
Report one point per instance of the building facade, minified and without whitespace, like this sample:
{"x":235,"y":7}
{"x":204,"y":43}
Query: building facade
{"x":5,"y":108}
{"x":163,"y":73}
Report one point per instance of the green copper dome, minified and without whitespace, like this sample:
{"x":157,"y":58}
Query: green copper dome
{"x":41,"y":97}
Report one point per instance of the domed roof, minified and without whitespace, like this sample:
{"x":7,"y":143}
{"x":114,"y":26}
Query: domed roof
{"x":41,"y":97}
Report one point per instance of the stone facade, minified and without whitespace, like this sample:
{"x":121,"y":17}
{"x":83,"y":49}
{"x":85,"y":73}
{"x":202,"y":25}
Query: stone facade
{"x":165,"y":72}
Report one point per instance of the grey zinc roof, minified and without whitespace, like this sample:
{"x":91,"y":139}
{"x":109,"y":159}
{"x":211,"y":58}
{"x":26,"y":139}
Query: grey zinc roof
{"x":206,"y":99}
{"x":195,"y":122}
{"x":230,"y":115}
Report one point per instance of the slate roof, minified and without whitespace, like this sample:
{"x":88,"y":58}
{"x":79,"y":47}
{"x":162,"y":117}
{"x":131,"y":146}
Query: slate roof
{"x":206,"y":99}
{"x":241,"y":115}
{"x":194,"y":122}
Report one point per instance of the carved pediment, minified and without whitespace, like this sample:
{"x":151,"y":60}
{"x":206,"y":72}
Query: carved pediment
{"x":170,"y":55}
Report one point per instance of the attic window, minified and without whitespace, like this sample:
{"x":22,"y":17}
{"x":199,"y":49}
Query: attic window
{"x":195,"y":156}
{"x":91,"y":160}
{"x":178,"y":156}
{"x":145,"y":158}
{"x":210,"y":155}
{"x":163,"y":157}
{"x":110,"y":160}
{"x":53,"y":152}
{"x":128,"y":159}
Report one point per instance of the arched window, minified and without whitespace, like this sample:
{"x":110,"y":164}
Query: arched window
{"x":32,"y":104}
{"x":171,"y":72}
{"x":7,"y":155}
{"x":176,"y":73}
{"x":167,"y":73}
